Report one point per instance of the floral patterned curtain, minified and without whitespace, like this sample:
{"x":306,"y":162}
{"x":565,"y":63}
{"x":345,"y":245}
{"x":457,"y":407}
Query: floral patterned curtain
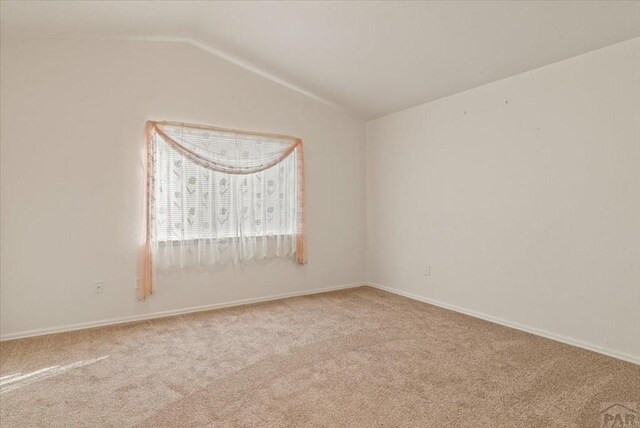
{"x":216,"y":195}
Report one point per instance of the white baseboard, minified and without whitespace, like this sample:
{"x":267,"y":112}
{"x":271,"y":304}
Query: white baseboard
{"x":173,"y":312}
{"x":557,"y":337}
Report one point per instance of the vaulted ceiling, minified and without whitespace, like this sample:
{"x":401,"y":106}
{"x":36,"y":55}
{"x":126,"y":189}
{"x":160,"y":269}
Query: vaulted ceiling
{"x":373,"y":57}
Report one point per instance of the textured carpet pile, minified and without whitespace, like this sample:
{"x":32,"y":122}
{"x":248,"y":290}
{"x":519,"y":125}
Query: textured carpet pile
{"x":356,"y":358}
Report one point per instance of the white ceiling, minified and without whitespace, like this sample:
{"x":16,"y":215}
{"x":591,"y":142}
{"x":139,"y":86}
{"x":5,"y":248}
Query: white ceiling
{"x":372,"y":57}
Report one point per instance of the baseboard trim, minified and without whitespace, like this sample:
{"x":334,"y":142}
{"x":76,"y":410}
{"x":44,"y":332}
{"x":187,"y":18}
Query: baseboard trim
{"x":169,"y":313}
{"x":511,"y":324}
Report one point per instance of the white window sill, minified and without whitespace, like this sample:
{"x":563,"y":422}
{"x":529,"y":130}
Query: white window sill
{"x":166,"y":242}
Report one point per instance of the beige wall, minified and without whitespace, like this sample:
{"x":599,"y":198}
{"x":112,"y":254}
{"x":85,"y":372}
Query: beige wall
{"x":523,"y":195}
{"x":73,"y":114}
{"x":524,"y":198}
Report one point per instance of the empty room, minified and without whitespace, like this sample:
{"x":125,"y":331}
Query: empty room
{"x":320,"y":214}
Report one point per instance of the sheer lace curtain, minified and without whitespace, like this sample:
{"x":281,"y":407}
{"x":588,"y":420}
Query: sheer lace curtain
{"x":217,"y":195}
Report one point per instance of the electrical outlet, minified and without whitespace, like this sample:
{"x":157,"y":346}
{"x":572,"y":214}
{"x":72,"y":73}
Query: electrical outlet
{"x":427,"y":271}
{"x":98,"y":287}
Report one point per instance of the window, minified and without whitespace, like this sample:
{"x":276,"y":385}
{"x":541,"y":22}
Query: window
{"x":193,"y":202}
{"x":218,"y":195}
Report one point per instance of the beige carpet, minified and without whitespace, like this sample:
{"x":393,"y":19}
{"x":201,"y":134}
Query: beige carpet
{"x":359,"y":357}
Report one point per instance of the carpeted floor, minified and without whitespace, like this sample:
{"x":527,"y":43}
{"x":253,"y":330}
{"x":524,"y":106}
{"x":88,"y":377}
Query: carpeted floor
{"x":359,"y":357}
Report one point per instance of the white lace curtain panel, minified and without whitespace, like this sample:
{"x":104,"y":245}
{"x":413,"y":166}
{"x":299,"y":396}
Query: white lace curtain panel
{"x":217,"y":195}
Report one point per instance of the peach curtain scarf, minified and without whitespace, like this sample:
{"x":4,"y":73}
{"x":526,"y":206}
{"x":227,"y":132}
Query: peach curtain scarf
{"x":193,"y":143}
